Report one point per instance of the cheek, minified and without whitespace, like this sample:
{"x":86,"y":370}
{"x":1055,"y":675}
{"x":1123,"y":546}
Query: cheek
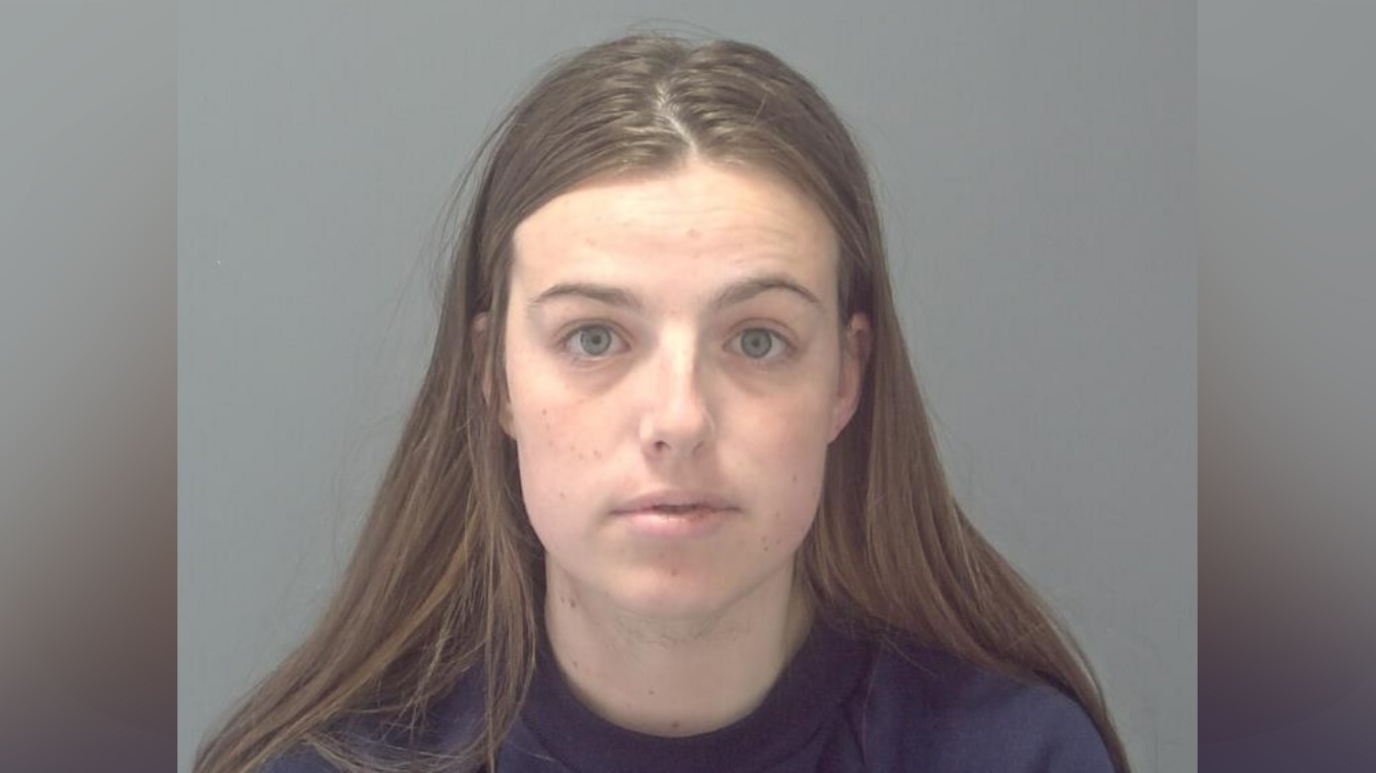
{"x":559,"y":457}
{"x":787,"y":463}
{"x":794,"y":430}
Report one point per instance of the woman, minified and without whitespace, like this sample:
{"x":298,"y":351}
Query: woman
{"x":668,"y":498}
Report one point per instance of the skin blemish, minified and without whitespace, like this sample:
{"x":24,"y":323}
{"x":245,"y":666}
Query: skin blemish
{"x":673,"y":572}
{"x":673,"y":725}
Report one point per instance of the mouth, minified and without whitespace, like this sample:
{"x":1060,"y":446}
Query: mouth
{"x":675,"y":503}
{"x":681,"y":510}
{"x":676,"y":516}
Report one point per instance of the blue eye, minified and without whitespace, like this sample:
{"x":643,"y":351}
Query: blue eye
{"x":591,"y":341}
{"x":757,"y":343}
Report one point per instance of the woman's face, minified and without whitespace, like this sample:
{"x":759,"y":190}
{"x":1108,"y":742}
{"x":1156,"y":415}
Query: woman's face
{"x":676,"y":370}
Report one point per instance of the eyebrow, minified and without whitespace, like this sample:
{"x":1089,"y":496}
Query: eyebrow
{"x":732,"y":294}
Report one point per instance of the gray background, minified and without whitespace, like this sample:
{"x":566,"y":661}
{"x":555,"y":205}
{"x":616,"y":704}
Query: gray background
{"x":1036,"y":164}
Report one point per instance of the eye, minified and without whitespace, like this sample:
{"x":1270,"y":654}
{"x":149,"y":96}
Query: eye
{"x":591,"y":341}
{"x":759,"y":343}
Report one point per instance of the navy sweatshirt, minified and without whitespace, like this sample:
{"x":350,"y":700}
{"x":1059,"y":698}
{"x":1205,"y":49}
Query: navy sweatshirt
{"x":839,"y":706}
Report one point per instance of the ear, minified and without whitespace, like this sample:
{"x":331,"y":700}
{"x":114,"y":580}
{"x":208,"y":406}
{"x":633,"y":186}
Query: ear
{"x":480,"y":343}
{"x":855,"y":355}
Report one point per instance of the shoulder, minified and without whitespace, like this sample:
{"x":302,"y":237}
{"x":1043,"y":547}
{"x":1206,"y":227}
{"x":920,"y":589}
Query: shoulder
{"x":451,"y":723}
{"x":925,"y":705}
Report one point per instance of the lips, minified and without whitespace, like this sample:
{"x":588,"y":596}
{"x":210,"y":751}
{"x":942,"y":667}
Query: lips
{"x":674,"y":503}
{"x":674,"y":515}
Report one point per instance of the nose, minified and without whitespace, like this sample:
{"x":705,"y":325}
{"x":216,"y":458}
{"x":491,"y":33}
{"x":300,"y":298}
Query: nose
{"x":677,"y":422}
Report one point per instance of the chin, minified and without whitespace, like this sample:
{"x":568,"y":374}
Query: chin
{"x":681,"y":597}
{"x":670,"y":599}
{"x":665,"y":591}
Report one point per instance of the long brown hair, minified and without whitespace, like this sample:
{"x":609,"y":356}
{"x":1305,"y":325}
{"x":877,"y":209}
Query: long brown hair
{"x":446,"y":579}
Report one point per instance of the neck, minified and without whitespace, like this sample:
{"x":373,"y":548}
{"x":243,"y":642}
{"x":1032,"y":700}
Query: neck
{"x":674,"y":677}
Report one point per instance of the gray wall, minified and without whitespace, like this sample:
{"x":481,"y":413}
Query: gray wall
{"x":1036,"y":163}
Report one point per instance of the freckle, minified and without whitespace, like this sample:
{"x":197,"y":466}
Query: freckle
{"x":673,"y":725}
{"x":573,"y":603}
{"x":795,"y":477}
{"x":652,"y":692}
{"x":673,"y":572}
{"x":597,"y":454}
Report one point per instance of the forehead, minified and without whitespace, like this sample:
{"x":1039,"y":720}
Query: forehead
{"x":698,"y":218}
